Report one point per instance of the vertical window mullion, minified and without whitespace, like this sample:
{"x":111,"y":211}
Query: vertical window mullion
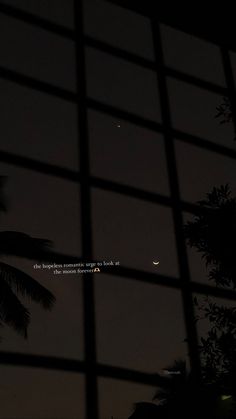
{"x":85,"y":196}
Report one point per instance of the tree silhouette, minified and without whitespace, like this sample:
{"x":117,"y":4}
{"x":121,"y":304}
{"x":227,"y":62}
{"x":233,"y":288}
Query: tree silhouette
{"x":180,"y":397}
{"x":213,"y":234}
{"x":14,"y":282}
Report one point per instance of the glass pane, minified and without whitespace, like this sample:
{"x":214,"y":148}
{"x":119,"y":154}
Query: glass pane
{"x":119,"y":27}
{"x":194,"y":112}
{"x":58,"y":11}
{"x":119,"y":83}
{"x":117,"y":398}
{"x":37,"y":53}
{"x":192,"y":55}
{"x":38,"y":126}
{"x":43,"y":206}
{"x":134,"y":232}
{"x":32,"y":393}
{"x":204,"y":170}
{"x":127,"y":154}
{"x":56,"y":332}
{"x":139,"y":326}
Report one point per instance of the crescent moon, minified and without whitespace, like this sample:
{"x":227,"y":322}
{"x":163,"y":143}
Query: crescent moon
{"x":155,"y":263}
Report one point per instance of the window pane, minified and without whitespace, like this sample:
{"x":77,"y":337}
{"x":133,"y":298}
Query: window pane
{"x":61,"y":327}
{"x":37,"y":53}
{"x":127,"y":154}
{"x":38,"y":126}
{"x":43,"y":206}
{"x":192,"y":55}
{"x":133,"y":232}
{"x":32,"y":393}
{"x":119,"y":27}
{"x":117,"y":398}
{"x":58,"y":11}
{"x":194,"y":111}
{"x":204,"y":170}
{"x":119,"y":83}
{"x":139,"y":326}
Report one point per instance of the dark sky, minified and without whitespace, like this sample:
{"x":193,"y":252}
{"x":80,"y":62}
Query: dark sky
{"x":138,"y":325}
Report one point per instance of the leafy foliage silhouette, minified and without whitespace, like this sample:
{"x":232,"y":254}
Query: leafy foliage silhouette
{"x":180,"y":397}
{"x":14,"y":282}
{"x":213,"y":234}
{"x":224,"y":111}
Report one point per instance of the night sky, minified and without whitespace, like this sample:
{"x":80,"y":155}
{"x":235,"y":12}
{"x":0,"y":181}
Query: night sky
{"x":138,"y":325}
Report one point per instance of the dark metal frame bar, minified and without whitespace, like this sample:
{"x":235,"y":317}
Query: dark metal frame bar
{"x":91,"y":393}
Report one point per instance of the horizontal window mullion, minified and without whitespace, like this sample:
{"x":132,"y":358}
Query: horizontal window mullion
{"x":35,"y":84}
{"x":37,"y":21}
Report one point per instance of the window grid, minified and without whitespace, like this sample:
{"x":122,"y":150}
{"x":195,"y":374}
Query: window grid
{"x":90,"y":367}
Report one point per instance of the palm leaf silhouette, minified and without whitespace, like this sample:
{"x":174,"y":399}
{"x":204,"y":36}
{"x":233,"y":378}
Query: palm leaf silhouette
{"x":14,"y":281}
{"x":21,"y":244}
{"x":23,"y":284}
{"x":12,"y":311}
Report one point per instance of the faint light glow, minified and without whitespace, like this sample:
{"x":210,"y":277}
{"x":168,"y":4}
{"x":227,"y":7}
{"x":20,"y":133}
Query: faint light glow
{"x":225,"y":397}
{"x":155,"y":263}
{"x":167,"y":372}
{"x":118,"y":125}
